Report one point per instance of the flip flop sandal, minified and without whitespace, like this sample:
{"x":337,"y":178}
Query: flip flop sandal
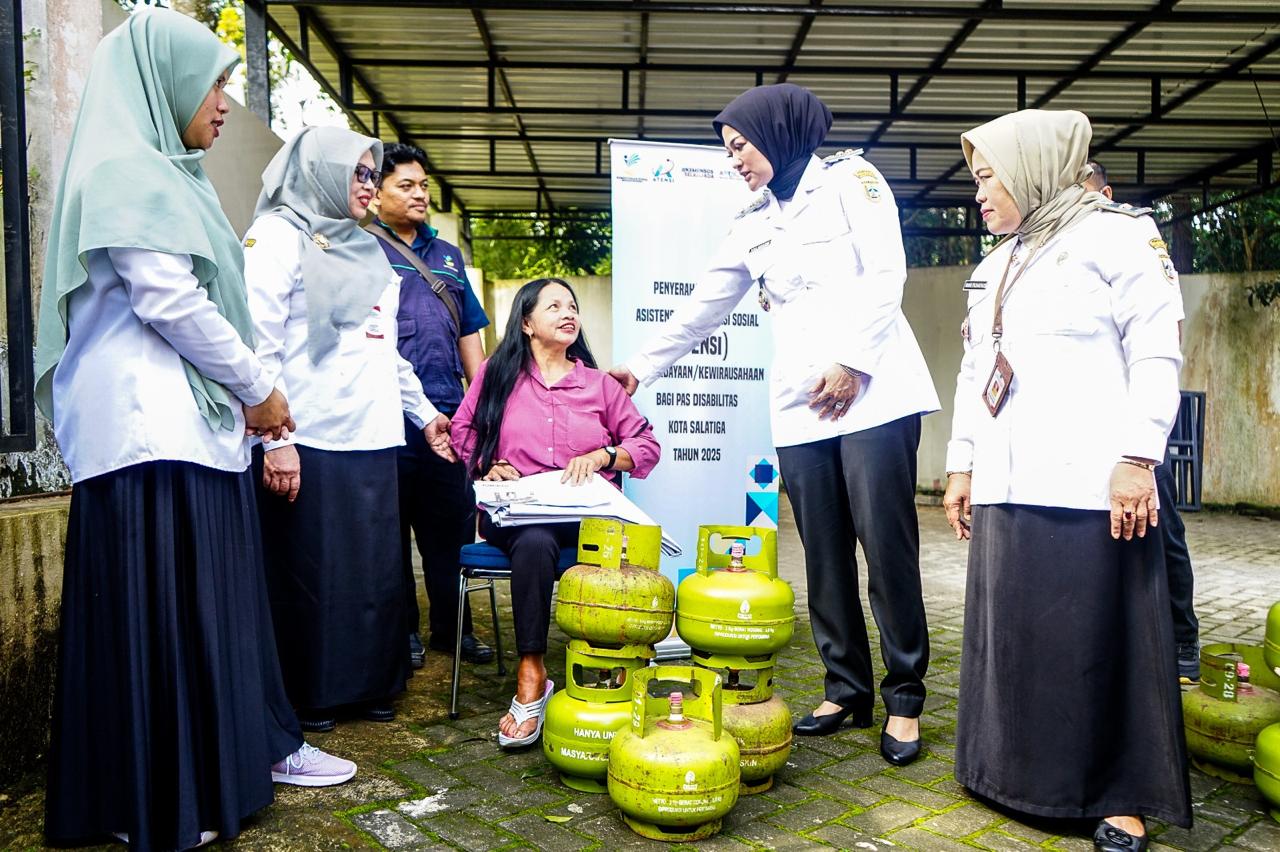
{"x":523,"y":713}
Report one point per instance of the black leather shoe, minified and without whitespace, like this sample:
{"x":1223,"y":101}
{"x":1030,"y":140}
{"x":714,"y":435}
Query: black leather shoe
{"x":473,"y":650}
{"x":896,"y":751}
{"x":828,"y":723}
{"x":417,"y":653}
{"x":316,"y":723}
{"x":378,"y":712}
{"x":1108,"y":838}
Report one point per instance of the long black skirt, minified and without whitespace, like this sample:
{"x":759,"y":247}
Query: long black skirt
{"x":1069,"y":701}
{"x":333,"y":571}
{"x":168,"y":708}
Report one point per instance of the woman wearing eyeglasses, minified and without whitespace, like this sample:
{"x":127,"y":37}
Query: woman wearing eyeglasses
{"x":324,"y":299}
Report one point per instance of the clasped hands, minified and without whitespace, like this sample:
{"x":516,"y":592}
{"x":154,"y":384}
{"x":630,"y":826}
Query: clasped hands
{"x":282,"y":466}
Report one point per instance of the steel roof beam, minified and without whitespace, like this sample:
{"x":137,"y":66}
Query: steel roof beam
{"x":720,"y":70}
{"x":1066,"y":13}
{"x":1086,"y":68}
{"x":312,"y":25}
{"x":486,"y":36}
{"x":1159,"y":110}
{"x":939,"y":61}
{"x":830,"y":142}
{"x":797,"y":44}
{"x":919,"y":117}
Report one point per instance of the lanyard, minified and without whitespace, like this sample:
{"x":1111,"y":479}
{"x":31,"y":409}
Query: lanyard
{"x":1002,"y":292}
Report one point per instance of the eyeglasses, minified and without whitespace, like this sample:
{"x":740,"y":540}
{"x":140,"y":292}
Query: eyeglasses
{"x":364,"y":174}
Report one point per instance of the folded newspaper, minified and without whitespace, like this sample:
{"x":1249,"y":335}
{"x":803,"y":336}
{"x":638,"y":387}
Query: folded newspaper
{"x":544,"y":499}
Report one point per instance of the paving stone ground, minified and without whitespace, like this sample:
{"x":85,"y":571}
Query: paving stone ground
{"x":428,"y":783}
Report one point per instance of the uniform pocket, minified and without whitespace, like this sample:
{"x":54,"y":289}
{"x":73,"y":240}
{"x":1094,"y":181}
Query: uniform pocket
{"x":585,"y":432}
{"x":1074,"y":309}
{"x":406,"y":327}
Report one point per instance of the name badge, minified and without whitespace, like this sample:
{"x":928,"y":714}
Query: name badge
{"x":971,"y":284}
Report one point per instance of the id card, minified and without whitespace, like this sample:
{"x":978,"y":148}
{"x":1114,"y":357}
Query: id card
{"x":997,"y":389}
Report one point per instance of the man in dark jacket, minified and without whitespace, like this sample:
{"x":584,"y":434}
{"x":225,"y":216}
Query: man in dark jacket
{"x":439,"y":334}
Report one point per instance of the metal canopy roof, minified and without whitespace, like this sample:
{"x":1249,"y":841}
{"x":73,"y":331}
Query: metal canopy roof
{"x":514,"y":100}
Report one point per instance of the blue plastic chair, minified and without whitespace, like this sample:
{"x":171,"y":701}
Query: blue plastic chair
{"x":484,"y":562}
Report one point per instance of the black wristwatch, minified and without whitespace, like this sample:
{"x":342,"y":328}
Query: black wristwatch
{"x":612,"y":452}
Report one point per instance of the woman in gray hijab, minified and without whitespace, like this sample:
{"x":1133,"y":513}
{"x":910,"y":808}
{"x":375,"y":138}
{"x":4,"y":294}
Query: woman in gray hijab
{"x":324,"y":300}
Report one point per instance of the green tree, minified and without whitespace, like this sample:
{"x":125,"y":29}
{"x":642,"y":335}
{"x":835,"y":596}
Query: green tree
{"x":580,"y":243}
{"x":1240,"y":237}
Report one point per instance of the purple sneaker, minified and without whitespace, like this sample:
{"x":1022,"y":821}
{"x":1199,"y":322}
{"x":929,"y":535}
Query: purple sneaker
{"x":311,"y":767}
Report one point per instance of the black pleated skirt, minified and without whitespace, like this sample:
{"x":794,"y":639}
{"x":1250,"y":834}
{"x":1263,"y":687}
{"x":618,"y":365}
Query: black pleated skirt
{"x":1069,"y":700}
{"x":169,"y":707}
{"x":335,"y":580}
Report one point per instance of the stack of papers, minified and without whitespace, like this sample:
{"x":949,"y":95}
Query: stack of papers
{"x":544,"y":499}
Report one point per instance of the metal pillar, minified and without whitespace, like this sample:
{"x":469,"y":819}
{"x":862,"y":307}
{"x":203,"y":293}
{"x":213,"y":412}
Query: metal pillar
{"x":258,"y":83}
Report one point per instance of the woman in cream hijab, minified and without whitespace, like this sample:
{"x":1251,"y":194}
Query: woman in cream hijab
{"x":169,"y":710}
{"x":1069,"y":704}
{"x":324,"y":301}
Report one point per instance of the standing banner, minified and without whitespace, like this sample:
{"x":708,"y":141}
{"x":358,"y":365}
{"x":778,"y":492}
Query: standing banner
{"x":672,"y":207}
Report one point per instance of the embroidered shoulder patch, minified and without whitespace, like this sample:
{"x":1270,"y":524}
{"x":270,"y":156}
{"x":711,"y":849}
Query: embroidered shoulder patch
{"x":870,"y":181}
{"x":1166,"y":263}
{"x":753,"y":206}
{"x":841,"y":156}
{"x":1126,"y":209}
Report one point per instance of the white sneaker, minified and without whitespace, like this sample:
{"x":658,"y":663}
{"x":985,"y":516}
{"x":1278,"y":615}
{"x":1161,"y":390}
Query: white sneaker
{"x":311,"y":767}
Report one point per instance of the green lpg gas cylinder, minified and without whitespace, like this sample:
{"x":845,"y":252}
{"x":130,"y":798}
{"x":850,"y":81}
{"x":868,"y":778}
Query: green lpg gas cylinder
{"x":735,"y":603}
{"x":1224,"y":715}
{"x":673,"y":772}
{"x":583,"y":717}
{"x":616,"y":595}
{"x":763,"y":733}
{"x":758,"y":720}
{"x":1271,"y":645}
{"x":1266,"y":767}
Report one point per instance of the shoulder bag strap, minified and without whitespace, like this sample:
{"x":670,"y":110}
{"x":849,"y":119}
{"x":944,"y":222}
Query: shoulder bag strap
{"x":437,"y":284}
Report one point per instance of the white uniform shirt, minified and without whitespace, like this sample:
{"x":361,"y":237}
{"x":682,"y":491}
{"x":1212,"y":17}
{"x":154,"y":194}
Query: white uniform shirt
{"x":832,"y":267}
{"x":120,"y":392}
{"x":352,"y":399}
{"x":1091,"y":331}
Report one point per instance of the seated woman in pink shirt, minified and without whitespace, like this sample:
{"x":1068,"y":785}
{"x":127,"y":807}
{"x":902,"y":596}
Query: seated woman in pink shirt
{"x":540,"y":404}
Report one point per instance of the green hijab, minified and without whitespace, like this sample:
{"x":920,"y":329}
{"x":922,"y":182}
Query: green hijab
{"x":1040,"y":156}
{"x":130,"y":182}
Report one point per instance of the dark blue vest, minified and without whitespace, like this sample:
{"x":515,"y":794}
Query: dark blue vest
{"x":428,"y":336}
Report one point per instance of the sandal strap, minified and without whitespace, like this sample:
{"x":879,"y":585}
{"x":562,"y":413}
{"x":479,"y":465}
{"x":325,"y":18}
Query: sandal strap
{"x":522,"y":713}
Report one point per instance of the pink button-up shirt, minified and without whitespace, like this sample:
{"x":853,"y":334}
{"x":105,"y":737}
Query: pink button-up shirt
{"x":543,"y":428}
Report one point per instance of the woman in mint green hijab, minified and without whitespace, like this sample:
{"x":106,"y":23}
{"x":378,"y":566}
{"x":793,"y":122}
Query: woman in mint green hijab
{"x":170,"y":719}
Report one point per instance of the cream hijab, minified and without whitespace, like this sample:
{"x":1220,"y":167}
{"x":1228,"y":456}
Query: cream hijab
{"x":1040,"y":157}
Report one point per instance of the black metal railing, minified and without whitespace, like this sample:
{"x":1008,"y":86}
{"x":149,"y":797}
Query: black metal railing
{"x":1186,"y":450}
{"x":17,"y":395}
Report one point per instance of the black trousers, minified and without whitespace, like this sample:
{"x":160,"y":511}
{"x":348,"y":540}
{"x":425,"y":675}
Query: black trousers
{"x":534,"y":552}
{"x":861,"y":488}
{"x":1177,"y":559}
{"x":438,"y":504}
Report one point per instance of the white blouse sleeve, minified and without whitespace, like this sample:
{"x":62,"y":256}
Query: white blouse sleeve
{"x":165,"y":295}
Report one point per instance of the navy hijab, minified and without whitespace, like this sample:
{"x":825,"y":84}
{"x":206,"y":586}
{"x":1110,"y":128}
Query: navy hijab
{"x":786,"y":123}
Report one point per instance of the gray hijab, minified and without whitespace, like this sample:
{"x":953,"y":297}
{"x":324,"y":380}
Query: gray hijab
{"x":344,"y":270}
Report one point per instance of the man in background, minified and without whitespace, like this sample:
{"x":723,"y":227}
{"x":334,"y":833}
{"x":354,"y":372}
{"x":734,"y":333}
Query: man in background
{"x":1186,"y":627}
{"x":439,"y":334}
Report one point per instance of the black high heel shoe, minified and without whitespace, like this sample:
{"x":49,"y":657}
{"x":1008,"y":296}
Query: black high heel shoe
{"x":896,"y":751}
{"x":829,"y":723}
{"x":1109,"y":838}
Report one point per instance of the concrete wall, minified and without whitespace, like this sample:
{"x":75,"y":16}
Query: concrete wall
{"x":31,"y":542}
{"x":595,"y":306}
